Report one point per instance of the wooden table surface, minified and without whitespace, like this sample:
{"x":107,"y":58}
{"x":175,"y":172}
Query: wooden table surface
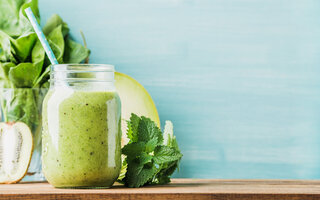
{"x":179,"y":189}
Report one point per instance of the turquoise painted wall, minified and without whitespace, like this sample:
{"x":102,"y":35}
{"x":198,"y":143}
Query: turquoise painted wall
{"x":240,"y":79}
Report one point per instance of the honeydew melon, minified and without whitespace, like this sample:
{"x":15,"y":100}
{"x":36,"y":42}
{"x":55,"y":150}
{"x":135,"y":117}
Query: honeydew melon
{"x":134,"y":99}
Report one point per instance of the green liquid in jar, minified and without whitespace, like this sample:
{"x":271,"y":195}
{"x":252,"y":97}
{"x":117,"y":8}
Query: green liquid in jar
{"x":81,"y":138}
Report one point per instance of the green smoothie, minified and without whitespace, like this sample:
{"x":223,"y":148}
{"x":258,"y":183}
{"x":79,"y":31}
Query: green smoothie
{"x":81,"y":138}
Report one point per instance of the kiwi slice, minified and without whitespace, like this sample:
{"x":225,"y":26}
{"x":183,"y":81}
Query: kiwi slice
{"x":134,"y":99}
{"x":16,"y":146}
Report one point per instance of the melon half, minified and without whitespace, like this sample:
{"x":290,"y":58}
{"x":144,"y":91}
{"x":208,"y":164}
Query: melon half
{"x":134,"y":99}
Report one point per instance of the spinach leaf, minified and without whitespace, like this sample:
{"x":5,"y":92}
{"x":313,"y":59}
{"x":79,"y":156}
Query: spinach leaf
{"x":74,"y":52}
{"x":12,"y":17}
{"x":52,"y":31}
{"x":42,"y":81}
{"x":38,"y":54}
{"x":53,"y":22}
{"x":7,"y":52}
{"x":4,"y":74}
{"x":56,"y":41}
{"x":24,"y":75}
{"x":23,"y":45}
{"x":17,"y":50}
{"x":9,"y":13}
{"x":21,"y":105}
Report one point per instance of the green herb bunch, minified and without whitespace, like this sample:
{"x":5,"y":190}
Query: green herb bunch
{"x":151,"y":156}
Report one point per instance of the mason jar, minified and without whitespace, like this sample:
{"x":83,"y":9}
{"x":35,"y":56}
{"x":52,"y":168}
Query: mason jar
{"x":81,"y":138}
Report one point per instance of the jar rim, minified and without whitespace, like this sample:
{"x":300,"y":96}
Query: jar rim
{"x":82,"y":68}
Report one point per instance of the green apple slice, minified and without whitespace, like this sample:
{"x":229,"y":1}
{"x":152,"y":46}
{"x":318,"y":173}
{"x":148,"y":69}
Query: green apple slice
{"x":134,"y":99}
{"x":16,"y":146}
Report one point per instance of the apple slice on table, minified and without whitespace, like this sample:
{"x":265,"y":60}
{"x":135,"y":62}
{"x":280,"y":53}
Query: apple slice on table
{"x":134,"y":99}
{"x":16,"y":146}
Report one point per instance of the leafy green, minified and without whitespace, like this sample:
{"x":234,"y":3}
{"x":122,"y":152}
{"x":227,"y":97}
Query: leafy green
{"x":132,"y":132}
{"x":74,"y":52}
{"x":167,"y":168}
{"x":23,"y":45}
{"x":38,"y":54}
{"x":55,"y":21}
{"x":168,"y":138}
{"x":147,"y":130}
{"x":151,"y":157}
{"x":43,"y":79}
{"x":23,"y":107}
{"x":7,"y":51}
{"x":24,"y":66}
{"x":56,"y":41}
{"x":139,"y":174}
{"x":19,"y":45}
{"x":163,"y":154}
{"x":24,"y":74}
{"x":13,"y":21}
{"x":4,"y":74}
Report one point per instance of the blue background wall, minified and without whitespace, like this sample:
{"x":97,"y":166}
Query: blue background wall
{"x":240,"y":79}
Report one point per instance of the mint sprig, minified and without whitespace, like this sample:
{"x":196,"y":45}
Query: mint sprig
{"x":151,"y":156}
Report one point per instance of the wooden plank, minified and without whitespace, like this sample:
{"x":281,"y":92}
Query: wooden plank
{"x":179,"y":189}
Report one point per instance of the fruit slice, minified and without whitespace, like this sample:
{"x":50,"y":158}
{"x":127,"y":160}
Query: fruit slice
{"x":15,"y":151}
{"x":134,"y":99}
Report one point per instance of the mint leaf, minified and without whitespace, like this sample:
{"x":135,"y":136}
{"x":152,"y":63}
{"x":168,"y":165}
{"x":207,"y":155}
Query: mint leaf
{"x":163,"y":154}
{"x":144,"y":158}
{"x":168,"y":138}
{"x":151,"y":145}
{"x":123,"y":171}
{"x":133,"y":149}
{"x":133,"y":124}
{"x":148,"y":130}
{"x":166,"y":170}
{"x":137,"y":175}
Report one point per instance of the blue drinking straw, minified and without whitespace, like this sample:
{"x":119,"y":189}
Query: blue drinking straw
{"x":41,"y":36}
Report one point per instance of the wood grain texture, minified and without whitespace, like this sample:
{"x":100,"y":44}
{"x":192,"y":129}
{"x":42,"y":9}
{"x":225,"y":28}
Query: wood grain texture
{"x":195,"y":189}
{"x":238,"y":78}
